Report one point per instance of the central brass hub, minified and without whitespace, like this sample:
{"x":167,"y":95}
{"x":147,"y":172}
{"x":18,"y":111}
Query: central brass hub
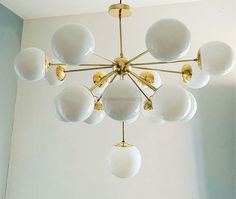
{"x":122,"y":66}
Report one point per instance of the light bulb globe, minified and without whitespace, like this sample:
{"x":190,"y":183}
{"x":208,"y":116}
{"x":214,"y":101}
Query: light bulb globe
{"x":171,"y":102}
{"x":168,"y":40}
{"x":30,"y":64}
{"x":51,"y":77}
{"x":72,"y":44}
{"x":75,"y":104}
{"x":124,"y":162}
{"x":121,"y":100}
{"x":96,"y":117}
{"x":193,"y":108}
{"x":217,"y":58}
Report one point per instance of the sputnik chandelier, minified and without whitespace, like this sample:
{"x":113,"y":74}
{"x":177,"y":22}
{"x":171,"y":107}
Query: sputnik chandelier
{"x":167,"y":40}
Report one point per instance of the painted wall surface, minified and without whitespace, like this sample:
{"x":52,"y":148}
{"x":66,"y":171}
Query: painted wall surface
{"x":51,"y":159}
{"x":10,"y":37}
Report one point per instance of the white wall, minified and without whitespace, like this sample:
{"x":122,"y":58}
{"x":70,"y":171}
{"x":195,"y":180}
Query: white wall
{"x":51,"y":159}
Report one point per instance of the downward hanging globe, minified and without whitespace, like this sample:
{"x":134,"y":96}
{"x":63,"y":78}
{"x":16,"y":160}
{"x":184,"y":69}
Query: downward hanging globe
{"x":121,"y":100}
{"x":73,"y":44}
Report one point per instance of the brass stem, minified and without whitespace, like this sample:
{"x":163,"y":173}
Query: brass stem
{"x":156,"y":63}
{"x":96,"y":64}
{"x":143,"y":81}
{"x":123,"y":132}
{"x":86,"y":69}
{"x":113,"y":78}
{"x":157,"y":69}
{"x":121,"y":39}
{"x":139,"y":88}
{"x":102,"y":80}
{"x":100,"y":56}
{"x":137,"y":56}
{"x":56,"y":64}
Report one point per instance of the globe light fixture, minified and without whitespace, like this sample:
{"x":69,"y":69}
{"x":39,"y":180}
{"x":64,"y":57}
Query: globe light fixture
{"x":118,"y":92}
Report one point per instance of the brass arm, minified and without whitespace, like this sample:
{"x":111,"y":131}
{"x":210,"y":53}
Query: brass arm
{"x":137,"y":56}
{"x":86,"y":69}
{"x":96,"y":64}
{"x":143,"y":81}
{"x":157,"y":69}
{"x":102,"y":80}
{"x":120,"y":31}
{"x":156,"y":63}
{"x":100,"y":56}
{"x":139,"y":88}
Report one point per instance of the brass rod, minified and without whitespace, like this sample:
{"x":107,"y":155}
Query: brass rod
{"x":102,"y":80}
{"x":157,"y":69}
{"x":56,"y":64}
{"x":143,"y":81}
{"x":137,"y":56}
{"x":139,"y":88}
{"x":86,"y":69}
{"x":96,"y":65}
{"x":113,"y":78}
{"x":123,"y":132}
{"x":100,"y":56}
{"x":155,"y":63}
{"x":121,"y":38}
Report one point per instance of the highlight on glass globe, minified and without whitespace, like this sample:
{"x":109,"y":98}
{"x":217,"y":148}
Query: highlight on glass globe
{"x":126,"y":88}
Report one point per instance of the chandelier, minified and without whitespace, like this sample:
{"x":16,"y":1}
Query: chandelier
{"x":130,"y":87}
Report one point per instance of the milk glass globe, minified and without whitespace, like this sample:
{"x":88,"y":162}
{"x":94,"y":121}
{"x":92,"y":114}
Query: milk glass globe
{"x":193,"y":108}
{"x":168,"y":40}
{"x":59,"y":116}
{"x":121,"y":100}
{"x":171,"y":102}
{"x":75,"y":104}
{"x":132,"y":120}
{"x":96,"y":117}
{"x":72,"y":44}
{"x":217,"y":58}
{"x":152,"y":117}
{"x":199,"y":79}
{"x":30,"y":64}
{"x":51,"y":77}
{"x":124,"y":162}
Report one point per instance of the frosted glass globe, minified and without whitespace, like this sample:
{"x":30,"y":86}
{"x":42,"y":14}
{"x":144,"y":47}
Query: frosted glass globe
{"x":132,"y":120}
{"x":58,"y":115}
{"x":75,"y":103}
{"x":217,"y":58}
{"x":124,"y":162}
{"x":72,"y":44}
{"x":96,"y":117}
{"x":152,"y":117}
{"x":30,"y":64}
{"x":171,"y":102}
{"x":121,"y":100}
{"x":193,"y":108}
{"x":51,"y":77}
{"x":199,"y":78}
{"x":168,"y":40}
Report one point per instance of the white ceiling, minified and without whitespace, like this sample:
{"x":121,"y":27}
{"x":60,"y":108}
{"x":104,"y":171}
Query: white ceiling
{"x":29,"y":9}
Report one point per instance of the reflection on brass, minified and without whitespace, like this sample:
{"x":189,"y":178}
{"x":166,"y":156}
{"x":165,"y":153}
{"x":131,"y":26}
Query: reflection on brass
{"x":148,"y":77}
{"x":124,"y":144}
{"x":60,"y":72}
{"x":121,"y":66}
{"x":199,"y":61}
{"x":97,"y":77}
{"x":98,"y":106}
{"x":148,"y":105}
{"x":186,"y":73}
{"x":116,"y":10}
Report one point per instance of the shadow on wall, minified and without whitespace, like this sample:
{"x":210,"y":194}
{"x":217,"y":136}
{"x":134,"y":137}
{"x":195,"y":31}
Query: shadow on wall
{"x":214,"y":129}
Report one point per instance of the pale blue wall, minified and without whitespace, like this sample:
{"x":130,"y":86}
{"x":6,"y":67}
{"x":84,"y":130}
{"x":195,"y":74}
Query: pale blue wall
{"x":10,"y":38}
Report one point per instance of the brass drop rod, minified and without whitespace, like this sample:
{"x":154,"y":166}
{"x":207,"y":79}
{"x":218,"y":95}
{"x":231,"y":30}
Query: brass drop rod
{"x":157,"y":69}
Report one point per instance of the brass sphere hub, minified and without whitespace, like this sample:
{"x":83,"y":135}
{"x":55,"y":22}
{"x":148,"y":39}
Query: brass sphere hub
{"x":122,"y":66}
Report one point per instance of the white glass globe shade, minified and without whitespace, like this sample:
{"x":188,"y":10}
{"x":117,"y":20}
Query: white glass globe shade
{"x":193,"y":108}
{"x":217,"y":58}
{"x":72,"y":44}
{"x":124,"y":162}
{"x":132,"y":120}
{"x":171,"y":102}
{"x":96,"y":117}
{"x":75,"y":103}
{"x":58,"y":115}
{"x":51,"y":77}
{"x":199,"y":79}
{"x":121,"y":100}
{"x":152,"y":117}
{"x":30,"y":64}
{"x":168,"y":40}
